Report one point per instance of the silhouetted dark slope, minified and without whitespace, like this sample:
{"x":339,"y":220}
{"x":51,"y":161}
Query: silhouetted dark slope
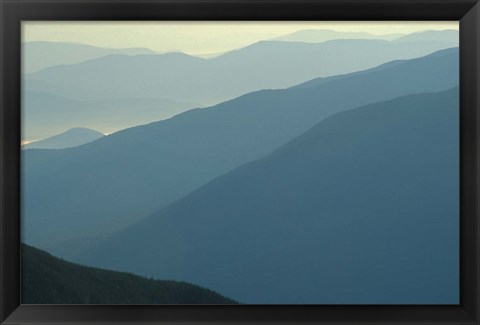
{"x":263,"y":65}
{"x":361,"y":209}
{"x":70,"y":138}
{"x":130,"y":174}
{"x":50,"y":280}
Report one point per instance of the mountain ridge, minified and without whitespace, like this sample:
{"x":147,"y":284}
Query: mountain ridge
{"x":358,"y":184}
{"x":168,"y":159}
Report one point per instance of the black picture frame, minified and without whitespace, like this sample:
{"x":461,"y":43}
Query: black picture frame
{"x":14,"y":11}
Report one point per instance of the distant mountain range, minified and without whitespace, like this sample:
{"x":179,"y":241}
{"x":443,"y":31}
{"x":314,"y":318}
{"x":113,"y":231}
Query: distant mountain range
{"x":323,"y":35}
{"x":110,"y":89}
{"x":43,"y":54}
{"x":179,"y":77}
{"x":360,"y":209}
{"x":70,"y":138}
{"x":121,"y":178}
{"x":49,"y":280}
{"x":40,"y":54}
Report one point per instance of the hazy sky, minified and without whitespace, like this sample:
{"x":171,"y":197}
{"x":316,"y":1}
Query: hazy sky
{"x":199,"y":37}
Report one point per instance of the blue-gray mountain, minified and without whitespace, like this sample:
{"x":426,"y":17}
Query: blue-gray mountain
{"x":68,"y":139}
{"x":124,"y":177}
{"x":361,"y":209}
{"x":263,"y":65}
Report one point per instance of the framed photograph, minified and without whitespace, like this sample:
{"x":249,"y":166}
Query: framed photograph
{"x":243,"y":162}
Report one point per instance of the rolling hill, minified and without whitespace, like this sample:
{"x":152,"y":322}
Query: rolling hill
{"x":50,"y":280}
{"x":121,"y":178}
{"x":39,"y":55}
{"x":361,"y":209}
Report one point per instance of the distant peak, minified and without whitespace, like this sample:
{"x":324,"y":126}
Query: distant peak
{"x":83,"y":129}
{"x":71,"y":138}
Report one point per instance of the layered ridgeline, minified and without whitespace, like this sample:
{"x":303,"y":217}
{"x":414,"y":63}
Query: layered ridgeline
{"x":174,"y":79}
{"x":49,"y":280}
{"x":361,"y":209}
{"x":263,"y":65}
{"x":130,"y":174}
{"x":70,"y":138}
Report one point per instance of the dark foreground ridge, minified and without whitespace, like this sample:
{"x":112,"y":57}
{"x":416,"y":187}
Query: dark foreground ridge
{"x":50,"y":280}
